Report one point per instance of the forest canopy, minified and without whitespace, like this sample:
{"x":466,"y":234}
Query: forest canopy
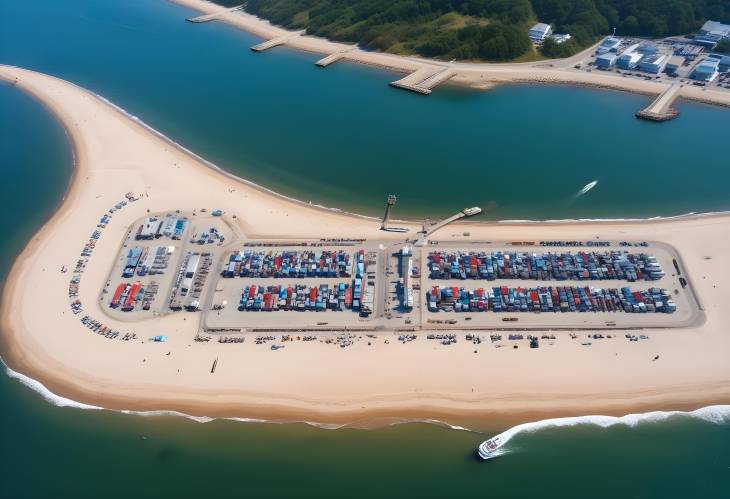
{"x":484,"y":29}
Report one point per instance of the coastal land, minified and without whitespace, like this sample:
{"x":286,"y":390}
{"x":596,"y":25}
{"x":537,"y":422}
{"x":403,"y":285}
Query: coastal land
{"x":430,"y":72}
{"x":374,"y":378}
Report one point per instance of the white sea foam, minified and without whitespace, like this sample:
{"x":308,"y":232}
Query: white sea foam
{"x":47,"y":394}
{"x":59,"y":401}
{"x":717,"y":414}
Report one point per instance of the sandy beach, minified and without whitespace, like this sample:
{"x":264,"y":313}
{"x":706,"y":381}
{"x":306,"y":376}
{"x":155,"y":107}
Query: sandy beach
{"x":474,"y":75}
{"x":316,"y":381}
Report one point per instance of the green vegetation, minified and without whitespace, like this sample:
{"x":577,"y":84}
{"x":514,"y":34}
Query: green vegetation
{"x":484,"y":29}
{"x":723,"y":47}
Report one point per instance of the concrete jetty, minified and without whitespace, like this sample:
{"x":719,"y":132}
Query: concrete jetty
{"x":661,"y":108}
{"x":274,"y":42}
{"x":212,"y":17}
{"x":424,"y":79}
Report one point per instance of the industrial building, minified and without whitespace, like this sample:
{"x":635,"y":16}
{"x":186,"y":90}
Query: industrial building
{"x":715,"y":27}
{"x":539,"y":32}
{"x":711,"y":33}
{"x":654,"y":63}
{"x":606,"y":60}
{"x":724,"y":61}
{"x":629,"y":60}
{"x":707,"y":70}
{"x":609,"y":44}
{"x":149,"y":229}
{"x":673,"y":64}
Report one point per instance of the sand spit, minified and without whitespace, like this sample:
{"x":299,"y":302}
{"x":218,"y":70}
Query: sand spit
{"x":315,"y":381}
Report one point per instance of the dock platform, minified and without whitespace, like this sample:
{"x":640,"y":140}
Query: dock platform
{"x":268,"y":44}
{"x":661,"y":108}
{"x":423,"y":80}
{"x":212,"y":17}
{"x":332,"y":58}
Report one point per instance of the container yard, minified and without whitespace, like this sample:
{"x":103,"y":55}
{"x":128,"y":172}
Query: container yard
{"x":298,"y":297}
{"x":164,"y":262}
{"x":545,"y":266}
{"x":242,"y":285}
{"x":602,"y":285}
{"x":190,"y":281}
{"x":549,"y":299}
{"x":320,"y":288}
{"x":291,"y":264}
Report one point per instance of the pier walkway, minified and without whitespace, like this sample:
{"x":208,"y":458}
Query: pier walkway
{"x":424,"y":79}
{"x":212,"y":17}
{"x":466,"y":212}
{"x":268,"y":44}
{"x":332,"y":58}
{"x":443,"y":223}
{"x":661,"y":108}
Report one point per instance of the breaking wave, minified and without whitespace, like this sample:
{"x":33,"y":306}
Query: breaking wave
{"x":717,"y":414}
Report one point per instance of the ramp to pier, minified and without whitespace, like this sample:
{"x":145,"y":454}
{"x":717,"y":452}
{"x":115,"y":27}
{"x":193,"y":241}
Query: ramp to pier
{"x":424,"y":79}
{"x":661,"y":108}
{"x":436,"y":79}
{"x":212,"y":17}
{"x":332,"y":58}
{"x":268,"y":44}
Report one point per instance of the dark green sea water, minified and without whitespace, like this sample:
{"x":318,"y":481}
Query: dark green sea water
{"x":201,"y":86}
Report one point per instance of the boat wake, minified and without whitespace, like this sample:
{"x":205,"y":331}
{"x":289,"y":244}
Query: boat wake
{"x":586,"y":188}
{"x":717,"y":414}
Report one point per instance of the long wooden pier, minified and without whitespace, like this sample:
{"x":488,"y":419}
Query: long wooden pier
{"x":212,"y":17}
{"x":423,"y":80}
{"x":661,"y":108}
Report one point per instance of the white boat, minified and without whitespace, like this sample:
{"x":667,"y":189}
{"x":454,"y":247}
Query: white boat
{"x":471,"y":211}
{"x":488,"y":448}
{"x":588,"y":187}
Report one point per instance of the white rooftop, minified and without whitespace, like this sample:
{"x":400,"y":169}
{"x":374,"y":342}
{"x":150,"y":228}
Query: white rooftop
{"x":541,"y":27}
{"x":716,"y":27}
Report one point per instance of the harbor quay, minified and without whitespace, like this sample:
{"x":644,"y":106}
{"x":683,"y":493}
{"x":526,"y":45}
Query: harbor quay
{"x":199,"y":263}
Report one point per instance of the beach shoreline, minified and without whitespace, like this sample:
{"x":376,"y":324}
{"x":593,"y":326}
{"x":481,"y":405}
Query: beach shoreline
{"x":350,"y":418}
{"x":30,"y":349}
{"x":479,"y":75}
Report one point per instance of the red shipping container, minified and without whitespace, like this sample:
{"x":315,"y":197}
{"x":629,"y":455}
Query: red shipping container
{"x":118,"y":293}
